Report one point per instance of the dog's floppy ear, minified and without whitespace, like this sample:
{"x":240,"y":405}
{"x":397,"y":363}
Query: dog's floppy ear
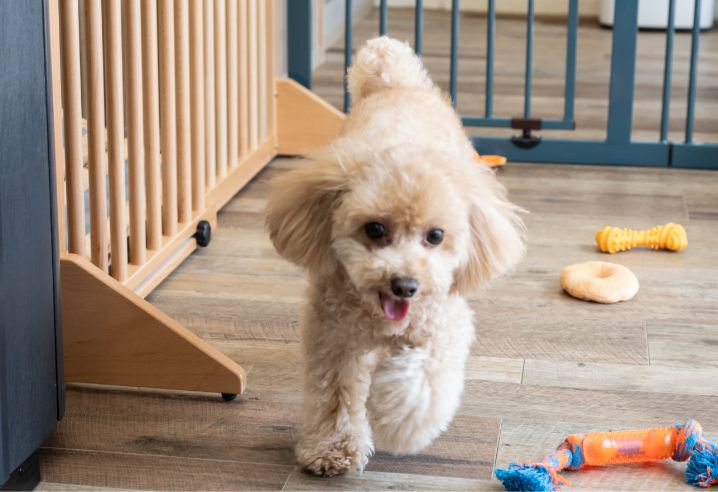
{"x":496,"y":231}
{"x":299,"y":213}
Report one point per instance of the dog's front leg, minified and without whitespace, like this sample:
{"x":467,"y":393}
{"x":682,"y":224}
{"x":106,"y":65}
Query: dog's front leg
{"x":416,"y":389}
{"x":334,"y":436}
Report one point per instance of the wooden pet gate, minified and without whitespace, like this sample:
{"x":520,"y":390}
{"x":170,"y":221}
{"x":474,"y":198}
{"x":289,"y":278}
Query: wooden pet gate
{"x":163,"y":110}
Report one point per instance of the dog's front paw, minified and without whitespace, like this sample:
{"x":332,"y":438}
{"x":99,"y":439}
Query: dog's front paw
{"x":329,"y":466}
{"x":330,"y":461}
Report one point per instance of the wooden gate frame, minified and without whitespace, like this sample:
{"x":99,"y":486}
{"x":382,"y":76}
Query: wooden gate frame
{"x":111,"y":335}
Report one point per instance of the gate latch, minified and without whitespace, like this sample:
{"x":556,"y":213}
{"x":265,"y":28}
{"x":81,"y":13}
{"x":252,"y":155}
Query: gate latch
{"x":526,"y":140}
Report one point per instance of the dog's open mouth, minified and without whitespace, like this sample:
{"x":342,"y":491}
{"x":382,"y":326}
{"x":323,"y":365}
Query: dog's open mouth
{"x":394,"y":309}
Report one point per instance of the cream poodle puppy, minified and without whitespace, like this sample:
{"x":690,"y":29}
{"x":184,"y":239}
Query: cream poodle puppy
{"x":395,"y":222}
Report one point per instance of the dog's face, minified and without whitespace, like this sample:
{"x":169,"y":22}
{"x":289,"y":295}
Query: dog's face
{"x":405,"y":228}
{"x":400,"y":231}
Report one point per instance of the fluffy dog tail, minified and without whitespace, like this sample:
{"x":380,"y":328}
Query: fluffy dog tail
{"x":385,"y":63}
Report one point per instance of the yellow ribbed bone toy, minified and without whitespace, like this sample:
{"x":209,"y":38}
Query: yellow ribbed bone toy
{"x":669,"y":236}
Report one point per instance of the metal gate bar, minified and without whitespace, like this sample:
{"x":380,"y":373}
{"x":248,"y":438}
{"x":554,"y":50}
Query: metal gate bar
{"x":569,"y":89}
{"x":383,"y":16}
{"x":490,"y":40}
{"x":623,"y":69}
{"x":667,"y":66}
{"x":299,"y":45}
{"x":454,"y":67}
{"x":529,"y":59}
{"x":419,"y":27}
{"x":695,"y":40}
{"x":348,"y":43}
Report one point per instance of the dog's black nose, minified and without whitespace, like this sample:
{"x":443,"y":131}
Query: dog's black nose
{"x":404,"y":286}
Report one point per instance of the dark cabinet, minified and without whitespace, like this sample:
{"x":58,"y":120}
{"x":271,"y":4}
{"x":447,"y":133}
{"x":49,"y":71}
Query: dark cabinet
{"x":30,"y":347}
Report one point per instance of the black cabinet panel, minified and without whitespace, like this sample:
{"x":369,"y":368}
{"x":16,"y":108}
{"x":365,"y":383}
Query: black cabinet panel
{"x":29,"y":372}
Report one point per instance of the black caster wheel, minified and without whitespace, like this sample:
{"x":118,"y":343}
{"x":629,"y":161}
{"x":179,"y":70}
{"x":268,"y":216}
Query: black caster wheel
{"x":229,"y":396}
{"x":204,"y":233}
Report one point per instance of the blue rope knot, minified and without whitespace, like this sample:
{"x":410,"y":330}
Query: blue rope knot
{"x":702,"y":469}
{"x":576,"y":451}
{"x":530,"y":476}
{"x":577,"y":459}
{"x":687,"y":436}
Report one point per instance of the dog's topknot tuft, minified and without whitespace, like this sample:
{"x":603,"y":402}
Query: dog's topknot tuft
{"x":385,"y":63}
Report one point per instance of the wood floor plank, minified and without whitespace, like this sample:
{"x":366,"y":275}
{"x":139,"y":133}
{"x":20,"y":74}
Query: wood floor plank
{"x":499,"y":369}
{"x":245,"y":203}
{"x":683,"y":345}
{"x":65,"y":487}
{"x":239,"y":265}
{"x":245,"y":218}
{"x":466,"y":450}
{"x":276,"y":373}
{"x":189,"y":426}
{"x":622,"y":377}
{"x":703,"y":206}
{"x":250,"y":287}
{"x":373,"y":480}
{"x":559,"y":178}
{"x":236,"y":319}
{"x":235,"y":306}
{"x":588,"y":204}
{"x":553,"y":335}
{"x":249,"y":243}
{"x":599,"y":408}
{"x":543,"y":300}
{"x":142,"y":472}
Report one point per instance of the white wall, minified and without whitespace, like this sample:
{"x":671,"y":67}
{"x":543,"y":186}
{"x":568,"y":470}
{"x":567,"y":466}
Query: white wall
{"x":333,"y":28}
{"x":327,"y":27}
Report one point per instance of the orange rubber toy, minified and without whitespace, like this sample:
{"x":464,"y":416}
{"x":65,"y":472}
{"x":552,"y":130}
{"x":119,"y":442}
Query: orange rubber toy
{"x":669,"y":236}
{"x":681,"y":442}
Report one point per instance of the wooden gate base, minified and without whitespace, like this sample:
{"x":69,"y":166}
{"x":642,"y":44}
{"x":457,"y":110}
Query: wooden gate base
{"x":305,"y":121}
{"x":112,"y":336}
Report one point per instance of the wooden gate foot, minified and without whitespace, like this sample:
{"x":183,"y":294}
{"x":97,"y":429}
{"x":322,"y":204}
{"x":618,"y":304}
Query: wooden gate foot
{"x":112,"y":336}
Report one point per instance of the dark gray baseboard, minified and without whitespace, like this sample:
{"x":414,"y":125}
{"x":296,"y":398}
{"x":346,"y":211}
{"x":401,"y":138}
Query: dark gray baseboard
{"x":25,"y":476}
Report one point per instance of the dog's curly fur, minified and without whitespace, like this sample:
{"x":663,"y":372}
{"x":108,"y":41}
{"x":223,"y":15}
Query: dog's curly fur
{"x":402,"y":159}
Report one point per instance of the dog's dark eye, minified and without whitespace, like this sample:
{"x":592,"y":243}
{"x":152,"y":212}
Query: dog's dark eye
{"x":375,"y":230}
{"x":435,"y":236}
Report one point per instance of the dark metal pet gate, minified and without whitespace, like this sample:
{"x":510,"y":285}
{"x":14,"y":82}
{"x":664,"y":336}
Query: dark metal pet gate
{"x":618,"y":147}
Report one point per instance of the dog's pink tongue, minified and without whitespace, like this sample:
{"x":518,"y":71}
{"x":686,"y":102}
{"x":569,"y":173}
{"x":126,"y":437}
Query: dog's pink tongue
{"x":394,"y":309}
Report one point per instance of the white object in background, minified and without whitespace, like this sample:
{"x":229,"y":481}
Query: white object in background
{"x":654,"y":13}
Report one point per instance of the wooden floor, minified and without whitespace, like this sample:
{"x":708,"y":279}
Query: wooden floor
{"x":544,"y":365}
{"x":592,"y":72}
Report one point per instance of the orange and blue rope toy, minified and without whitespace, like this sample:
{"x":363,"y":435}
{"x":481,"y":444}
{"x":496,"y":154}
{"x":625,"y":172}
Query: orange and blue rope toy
{"x":681,"y":442}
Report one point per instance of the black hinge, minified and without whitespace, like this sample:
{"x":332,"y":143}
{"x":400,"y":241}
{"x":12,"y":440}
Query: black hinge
{"x":526,"y":140}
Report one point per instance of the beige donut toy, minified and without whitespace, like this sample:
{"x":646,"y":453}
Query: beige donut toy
{"x":599,"y":281}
